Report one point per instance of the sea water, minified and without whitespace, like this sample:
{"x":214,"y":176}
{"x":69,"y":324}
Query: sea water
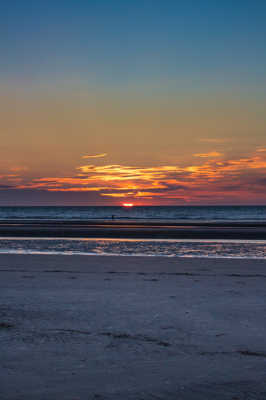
{"x":165,"y":248}
{"x":149,"y":213}
{"x":255,"y":249}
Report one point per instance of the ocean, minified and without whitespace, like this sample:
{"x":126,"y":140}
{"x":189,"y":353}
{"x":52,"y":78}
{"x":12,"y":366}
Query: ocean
{"x":149,"y":213}
{"x":138,"y":247}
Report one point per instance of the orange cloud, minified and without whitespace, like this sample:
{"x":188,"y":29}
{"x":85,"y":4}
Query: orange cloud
{"x":96,"y":156}
{"x":19,"y":169}
{"x":210,"y":154}
{"x":116,"y":194}
{"x":211,"y":180}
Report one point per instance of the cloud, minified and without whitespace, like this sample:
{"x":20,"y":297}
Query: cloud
{"x":211,"y":180}
{"x":6,"y":187}
{"x":115,"y":194}
{"x":9,"y":181}
{"x":210,"y":154}
{"x":18,"y":169}
{"x":96,"y":156}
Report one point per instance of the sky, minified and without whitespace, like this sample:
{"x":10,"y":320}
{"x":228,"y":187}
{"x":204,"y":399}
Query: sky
{"x":155,"y":102}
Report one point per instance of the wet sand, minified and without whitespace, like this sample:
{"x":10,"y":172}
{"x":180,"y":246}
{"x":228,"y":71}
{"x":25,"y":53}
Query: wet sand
{"x":94,"y":327}
{"x":134,"y":229}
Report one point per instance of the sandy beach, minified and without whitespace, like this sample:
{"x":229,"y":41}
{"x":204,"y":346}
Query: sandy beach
{"x":95,"y":327}
{"x":247,"y":230}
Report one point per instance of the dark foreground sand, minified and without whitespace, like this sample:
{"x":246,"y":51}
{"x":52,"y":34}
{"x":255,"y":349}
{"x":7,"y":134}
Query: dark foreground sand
{"x":135,"y":229}
{"x":92,"y":327}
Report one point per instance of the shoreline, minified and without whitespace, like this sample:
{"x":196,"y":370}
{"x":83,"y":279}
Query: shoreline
{"x":83,"y":254}
{"x":236,"y":249}
{"x":126,"y":328}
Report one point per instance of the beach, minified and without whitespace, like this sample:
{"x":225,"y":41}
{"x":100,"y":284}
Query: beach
{"x":135,"y":229}
{"x":103,"y":327}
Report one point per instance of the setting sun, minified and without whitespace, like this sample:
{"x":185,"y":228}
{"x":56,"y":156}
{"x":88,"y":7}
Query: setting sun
{"x":128,"y":204}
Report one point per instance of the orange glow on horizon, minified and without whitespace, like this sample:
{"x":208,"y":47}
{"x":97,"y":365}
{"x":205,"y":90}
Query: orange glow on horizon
{"x":219,"y":180}
{"x":128,"y":205}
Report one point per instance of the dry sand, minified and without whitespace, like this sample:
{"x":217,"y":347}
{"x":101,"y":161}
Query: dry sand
{"x":93,"y":327}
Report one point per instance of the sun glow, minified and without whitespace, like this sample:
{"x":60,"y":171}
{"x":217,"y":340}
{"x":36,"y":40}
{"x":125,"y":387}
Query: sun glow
{"x":128,"y":205}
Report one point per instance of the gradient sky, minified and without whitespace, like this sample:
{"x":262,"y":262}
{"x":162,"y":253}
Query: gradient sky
{"x":152,"y":102}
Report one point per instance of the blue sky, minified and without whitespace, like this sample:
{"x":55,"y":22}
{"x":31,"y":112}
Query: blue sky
{"x":172,"y":92}
{"x":131,"y":41}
